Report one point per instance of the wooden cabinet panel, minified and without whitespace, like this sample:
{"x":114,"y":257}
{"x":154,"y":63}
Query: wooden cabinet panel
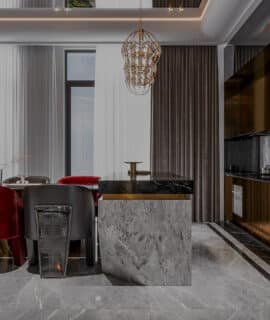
{"x":228,"y":198}
{"x":247,"y":107}
{"x":256,"y":207}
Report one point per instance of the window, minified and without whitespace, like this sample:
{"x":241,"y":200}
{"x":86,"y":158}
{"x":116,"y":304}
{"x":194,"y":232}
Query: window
{"x":80,"y":3}
{"x":80,"y":95}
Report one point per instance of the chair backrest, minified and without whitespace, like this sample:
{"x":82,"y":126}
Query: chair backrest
{"x":12,"y":180}
{"x":38,"y":179}
{"x":9,"y":214}
{"x":31,"y":179}
{"x":79,"y":180}
{"x":79,"y":198}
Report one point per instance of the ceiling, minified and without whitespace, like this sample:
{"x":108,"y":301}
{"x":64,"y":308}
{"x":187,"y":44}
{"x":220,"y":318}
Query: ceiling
{"x":214,"y":22}
{"x":256,"y":30}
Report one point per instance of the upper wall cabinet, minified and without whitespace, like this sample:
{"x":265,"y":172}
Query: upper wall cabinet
{"x":247,"y":98}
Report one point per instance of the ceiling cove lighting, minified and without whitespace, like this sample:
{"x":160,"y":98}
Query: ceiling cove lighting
{"x":141,"y":53}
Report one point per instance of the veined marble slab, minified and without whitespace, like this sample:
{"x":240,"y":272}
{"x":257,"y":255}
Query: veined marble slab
{"x":146,"y":241}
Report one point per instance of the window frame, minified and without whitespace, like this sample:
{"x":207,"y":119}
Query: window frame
{"x":69,"y":84}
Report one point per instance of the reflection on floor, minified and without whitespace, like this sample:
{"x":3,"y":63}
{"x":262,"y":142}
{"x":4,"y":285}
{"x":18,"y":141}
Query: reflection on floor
{"x":225,"y":286}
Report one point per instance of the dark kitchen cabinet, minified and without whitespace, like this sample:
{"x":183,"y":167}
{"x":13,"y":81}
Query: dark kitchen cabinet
{"x":247,"y":98}
{"x":255,"y":204}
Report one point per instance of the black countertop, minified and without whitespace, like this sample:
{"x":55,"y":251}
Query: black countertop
{"x":152,"y":184}
{"x":249,"y":176}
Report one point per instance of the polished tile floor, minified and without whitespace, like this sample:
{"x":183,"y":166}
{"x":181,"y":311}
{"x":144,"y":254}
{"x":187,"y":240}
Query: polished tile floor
{"x":225,"y":286}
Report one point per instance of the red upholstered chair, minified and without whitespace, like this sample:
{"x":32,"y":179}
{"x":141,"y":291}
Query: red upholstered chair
{"x":82,"y":181}
{"x":11,"y":224}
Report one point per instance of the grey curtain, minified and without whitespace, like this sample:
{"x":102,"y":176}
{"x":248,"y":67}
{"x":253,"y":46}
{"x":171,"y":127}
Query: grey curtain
{"x":176,"y":3}
{"x":243,"y":54}
{"x":185,"y":117}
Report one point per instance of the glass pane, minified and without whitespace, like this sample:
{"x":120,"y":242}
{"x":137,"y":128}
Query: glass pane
{"x":81,"y":66}
{"x":82,"y":130}
{"x":80,"y":3}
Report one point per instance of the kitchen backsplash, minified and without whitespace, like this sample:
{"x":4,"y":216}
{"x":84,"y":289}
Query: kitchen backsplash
{"x":247,"y":154}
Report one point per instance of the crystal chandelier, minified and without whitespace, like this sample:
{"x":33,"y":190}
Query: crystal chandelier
{"x":141,"y":53}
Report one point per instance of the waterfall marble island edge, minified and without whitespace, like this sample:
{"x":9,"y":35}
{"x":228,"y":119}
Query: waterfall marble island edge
{"x":145,"y":230}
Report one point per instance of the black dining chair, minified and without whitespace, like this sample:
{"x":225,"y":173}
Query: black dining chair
{"x":55,"y":216}
{"x":38,"y":179}
{"x":30,"y":179}
{"x":12,"y":180}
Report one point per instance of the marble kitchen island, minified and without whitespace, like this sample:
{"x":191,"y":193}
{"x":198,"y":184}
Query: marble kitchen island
{"x":145,"y":229}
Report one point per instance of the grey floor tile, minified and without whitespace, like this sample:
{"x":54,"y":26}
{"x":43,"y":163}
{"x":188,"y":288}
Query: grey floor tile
{"x":224,"y":286}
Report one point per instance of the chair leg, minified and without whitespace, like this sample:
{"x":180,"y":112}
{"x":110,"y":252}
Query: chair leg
{"x":90,"y":252}
{"x":4,"y":255}
{"x":17,"y":247}
{"x":32,"y":252}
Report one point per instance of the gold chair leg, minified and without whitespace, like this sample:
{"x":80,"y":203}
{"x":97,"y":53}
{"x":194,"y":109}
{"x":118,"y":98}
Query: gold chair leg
{"x":4,"y":255}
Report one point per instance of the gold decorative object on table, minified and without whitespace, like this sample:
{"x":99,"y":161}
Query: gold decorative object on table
{"x":141,"y":52}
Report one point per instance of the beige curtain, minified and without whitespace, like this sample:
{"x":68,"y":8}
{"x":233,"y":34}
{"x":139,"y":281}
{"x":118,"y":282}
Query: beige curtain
{"x":185,"y":117}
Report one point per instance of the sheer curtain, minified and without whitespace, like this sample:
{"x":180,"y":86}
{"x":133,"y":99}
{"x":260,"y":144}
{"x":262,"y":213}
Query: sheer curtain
{"x":10,"y":65}
{"x":32,"y":111}
{"x":5,"y":4}
{"x":42,"y":120}
{"x":28,"y":3}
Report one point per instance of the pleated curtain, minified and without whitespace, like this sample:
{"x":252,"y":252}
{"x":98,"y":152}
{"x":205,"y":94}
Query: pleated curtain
{"x":185,"y":123}
{"x":9,"y":109}
{"x":32,"y":111}
{"x":243,"y":54}
{"x":42,"y":129}
{"x":29,"y":3}
{"x":176,"y":3}
{"x":37,"y":3}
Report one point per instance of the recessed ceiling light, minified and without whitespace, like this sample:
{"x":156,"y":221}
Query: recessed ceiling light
{"x":56,"y":9}
{"x":171,"y":10}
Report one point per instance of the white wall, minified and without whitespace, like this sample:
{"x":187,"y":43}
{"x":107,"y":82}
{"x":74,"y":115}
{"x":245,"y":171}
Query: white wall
{"x":123,"y":4}
{"x":122,"y":120}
